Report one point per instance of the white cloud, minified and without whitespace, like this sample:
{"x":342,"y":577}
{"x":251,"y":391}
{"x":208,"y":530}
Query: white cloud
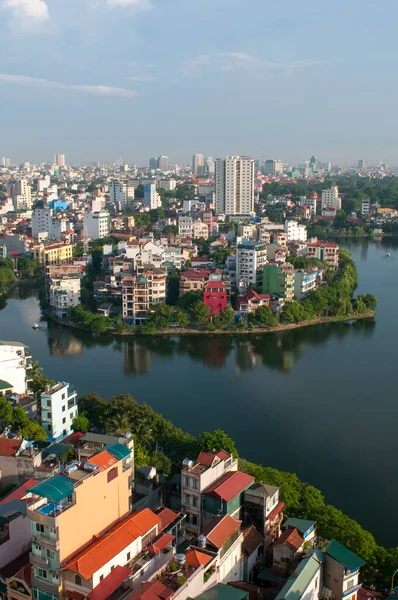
{"x":141,"y":4}
{"x":34,"y":11}
{"x":141,"y":78}
{"x":100,"y":90}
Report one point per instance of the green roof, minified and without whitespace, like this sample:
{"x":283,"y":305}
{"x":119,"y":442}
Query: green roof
{"x":4,"y":385}
{"x":269,"y":575}
{"x":296,"y":585}
{"x":55,"y":488}
{"x":223,"y":592}
{"x":141,"y":280}
{"x":302,"y":525}
{"x":118,"y":451}
{"x":57,"y":449}
{"x":341,"y":554}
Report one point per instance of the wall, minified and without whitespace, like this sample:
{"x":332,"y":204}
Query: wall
{"x":19,"y":541}
{"x":231,"y":565}
{"x":12,"y":367}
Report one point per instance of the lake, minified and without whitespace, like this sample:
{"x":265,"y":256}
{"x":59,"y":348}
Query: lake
{"x":319,"y":401}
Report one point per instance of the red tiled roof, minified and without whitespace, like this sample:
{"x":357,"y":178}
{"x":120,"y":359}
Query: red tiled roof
{"x":121,"y":535}
{"x":160,"y":543}
{"x":205,"y":458}
{"x":13,"y":567}
{"x":215,"y":283}
{"x":222,"y":455}
{"x":229,"y":486}
{"x":196,"y":558}
{"x":220,"y":529}
{"x":275,"y":512}
{"x":110,"y":584}
{"x":73,"y":438}
{"x":325,"y":244}
{"x":153,"y":590}
{"x":20,"y":492}
{"x":9,"y":447}
{"x":103,"y":460}
{"x":290,"y":537}
{"x":252,"y":539}
{"x":167,"y":517}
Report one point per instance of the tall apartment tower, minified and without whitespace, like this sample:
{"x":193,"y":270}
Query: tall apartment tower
{"x":121,"y":193}
{"x":273,"y":167}
{"x":198,"y":163}
{"x":234,"y":185}
{"x":20,"y":191}
{"x":330,"y":197}
{"x":163,"y":163}
{"x":59,"y":160}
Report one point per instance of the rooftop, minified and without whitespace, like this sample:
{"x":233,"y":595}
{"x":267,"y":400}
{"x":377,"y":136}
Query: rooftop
{"x":341,"y":554}
{"x":291,"y":537}
{"x":9,"y":447}
{"x":110,"y":584}
{"x":262,"y":490}
{"x":229,"y":486}
{"x":296,"y":585}
{"x":302,"y":525}
{"x":223,"y":592}
{"x":220,"y":529}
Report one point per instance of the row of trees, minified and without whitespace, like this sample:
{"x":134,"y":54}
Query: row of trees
{"x":159,"y":442}
{"x":7,"y":276}
{"x":16,"y":418}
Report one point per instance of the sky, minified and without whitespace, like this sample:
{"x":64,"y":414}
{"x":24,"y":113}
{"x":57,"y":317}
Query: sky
{"x":101,"y":80}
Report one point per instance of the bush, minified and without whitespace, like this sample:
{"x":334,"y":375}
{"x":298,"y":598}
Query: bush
{"x":181,"y":580}
{"x":173,"y":566}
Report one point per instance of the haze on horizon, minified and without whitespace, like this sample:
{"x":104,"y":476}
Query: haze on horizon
{"x":103,"y":79}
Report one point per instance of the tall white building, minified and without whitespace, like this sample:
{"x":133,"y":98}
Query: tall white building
{"x":330,"y":197}
{"x":45,"y":225}
{"x":151,"y":197}
{"x":59,"y":160}
{"x":96,"y":225}
{"x":198,"y":163}
{"x":185,"y":227}
{"x":273,"y":167}
{"x":43,"y":184}
{"x":64,"y":287}
{"x":234,"y":185}
{"x":167,"y":184}
{"x":250,"y":260}
{"x":20,"y":191}
{"x":58,"y":409}
{"x":209,"y":166}
{"x":121,"y":193}
{"x":295,"y":231}
{"x":14,"y":366}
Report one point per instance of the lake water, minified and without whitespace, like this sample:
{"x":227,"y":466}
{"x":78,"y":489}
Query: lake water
{"x":320,"y":401}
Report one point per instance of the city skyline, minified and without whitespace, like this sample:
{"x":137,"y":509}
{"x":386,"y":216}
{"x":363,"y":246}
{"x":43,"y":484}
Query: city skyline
{"x":139,"y":78}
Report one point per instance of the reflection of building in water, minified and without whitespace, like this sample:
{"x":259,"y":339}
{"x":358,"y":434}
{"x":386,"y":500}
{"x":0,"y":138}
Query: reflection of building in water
{"x":62,"y":343}
{"x":246,"y":358}
{"x":137,"y":359}
{"x":216,"y":355}
{"x":364,"y":250}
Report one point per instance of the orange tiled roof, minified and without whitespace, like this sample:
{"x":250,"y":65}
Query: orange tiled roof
{"x":290,"y":537}
{"x":103,"y":460}
{"x":220,"y":529}
{"x":167,"y":517}
{"x":121,"y":535}
{"x":196,"y":558}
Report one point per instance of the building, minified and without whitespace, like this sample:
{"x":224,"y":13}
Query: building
{"x":225,"y":496}
{"x":310,"y":202}
{"x":295,"y":231}
{"x":366,"y":207}
{"x":330,"y":198}
{"x":273,"y":167}
{"x":361,"y":164}
{"x":324,"y":251}
{"x":63,"y":288}
{"x":167,"y":184}
{"x":141,"y":291}
{"x":200,"y":230}
{"x":198,"y":475}
{"x":305,"y":527}
{"x":58,"y":409}
{"x":224,"y":536}
{"x":62,"y":517}
{"x":163,"y":163}
{"x":278,"y":280}
{"x":193,"y":280}
{"x":15,"y":363}
{"x":263,"y":509}
{"x":153,"y":164}
{"x":306,"y":580}
{"x":250,"y":301}
{"x":59,"y":160}
{"x":215,"y":296}
{"x":45,"y":225}
{"x":304,"y":283}
{"x":234,"y":185}
{"x":341,"y":574}
{"x":96,"y":225}
{"x":21,"y":194}
{"x":250,"y":260}
{"x":185,"y":227}
{"x":121,"y":194}
{"x":151,"y":197}
{"x":198,"y":164}
{"x":52,"y":253}
{"x":286,"y":550}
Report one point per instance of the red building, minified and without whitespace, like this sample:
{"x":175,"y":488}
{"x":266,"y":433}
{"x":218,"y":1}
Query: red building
{"x":215,"y":295}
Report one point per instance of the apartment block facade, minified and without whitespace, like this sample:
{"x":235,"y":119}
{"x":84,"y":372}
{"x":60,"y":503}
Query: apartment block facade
{"x":58,"y":409}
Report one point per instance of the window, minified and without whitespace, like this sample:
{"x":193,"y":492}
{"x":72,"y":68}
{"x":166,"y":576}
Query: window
{"x":194,"y":501}
{"x":42,"y":573}
{"x":128,"y":556}
{"x":39,"y":528}
{"x":194,"y":520}
{"x":101,"y":577}
{"x":63,"y":408}
{"x":350,"y":584}
{"x":78,"y":580}
{"x":71,"y":416}
{"x":187,"y":482}
{"x":63,"y":396}
{"x":64,"y":421}
{"x":112,"y":474}
{"x":187,"y":499}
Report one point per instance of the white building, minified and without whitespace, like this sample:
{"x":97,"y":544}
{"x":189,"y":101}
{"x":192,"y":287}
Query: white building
{"x":304,"y":283}
{"x":151,"y":197}
{"x":96,"y":225}
{"x":167,"y":184}
{"x":366,"y":206}
{"x":21,"y":194}
{"x":295,"y":231}
{"x":43,"y":184}
{"x":330,"y":198}
{"x":58,"y":409}
{"x":121,"y":193}
{"x":47,"y":226}
{"x":64,"y":293}
{"x":273,"y":167}
{"x":250,"y":260}
{"x":234,"y":185}
{"x":15,"y":365}
{"x":198,"y":163}
{"x":200,"y":230}
{"x":185,"y":226}
{"x":310,"y":203}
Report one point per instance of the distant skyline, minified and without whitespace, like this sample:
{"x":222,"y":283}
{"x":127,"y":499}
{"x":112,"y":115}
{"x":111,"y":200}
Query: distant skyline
{"x":101,"y":79}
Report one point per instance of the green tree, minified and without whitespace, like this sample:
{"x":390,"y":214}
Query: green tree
{"x":34,"y":432}
{"x":190,"y":298}
{"x":217,"y":440}
{"x":182,"y":318}
{"x":81,"y":423}
{"x":226,"y":317}
{"x":199,"y":312}
{"x":292,"y":312}
{"x":162,"y":316}
{"x":19,"y":417}
{"x":161,"y":462}
{"x":5,"y":411}
{"x":141,"y":455}
{"x":263,"y":315}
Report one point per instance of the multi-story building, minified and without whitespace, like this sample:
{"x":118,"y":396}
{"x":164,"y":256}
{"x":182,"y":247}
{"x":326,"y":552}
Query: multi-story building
{"x":151,"y":197}
{"x":141,"y":291}
{"x":263,"y":509}
{"x":52,"y":254}
{"x":234,"y":185}
{"x":167,"y":184}
{"x":278,"y":280}
{"x":163,"y":163}
{"x":330,"y":197}
{"x":185,"y":227}
{"x":198,"y":475}
{"x":310,"y":202}
{"x":304,"y":283}
{"x":45,"y":225}
{"x":58,"y":409}
{"x":273,"y":167}
{"x":341,"y":572}
{"x":208,"y":219}
{"x":215,"y":295}
{"x":225,"y":497}
{"x":328,"y":252}
{"x":198,"y":163}
{"x":21,"y":194}
{"x":63,"y":287}
{"x":295,"y":231}
{"x":120,"y":193}
{"x":15,"y":364}
{"x":59,"y":160}
{"x":200,"y":230}
{"x":250,"y":260}
{"x":250,"y":301}
{"x":366,"y":207}
{"x":193,"y":280}
{"x":96,"y":225}
{"x":153,"y":164}
{"x":62,"y":517}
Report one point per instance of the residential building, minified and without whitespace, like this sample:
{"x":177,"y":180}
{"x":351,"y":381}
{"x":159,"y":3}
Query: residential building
{"x":366,"y":207}
{"x":21,"y":194}
{"x":121,"y":194}
{"x":58,"y":409}
{"x":153,"y":164}
{"x":307,"y":579}
{"x":295,"y":231}
{"x":198,"y":163}
{"x":141,"y":291}
{"x":278,"y":280}
{"x":273,"y":167}
{"x":208,"y":219}
{"x":247,"y":231}
{"x":185,"y":227}
{"x":63,"y":288}
{"x":151,"y":197}
{"x":96,"y":225}
{"x":328,"y":252}
{"x":224,"y":536}
{"x":361,"y":164}
{"x":250,"y":301}
{"x":200,"y":230}
{"x":330,"y":198}
{"x":306,"y":527}
{"x":286,"y":550}
{"x":234,"y":185}
{"x":341,"y":573}
{"x":167,"y":184}
{"x":263,"y":509}
{"x":163,"y":163}
{"x":215,"y":296}
{"x":310,"y":202}
{"x":62,"y":517}
{"x":250,"y":260}
{"x":198,"y":475}
{"x":225,"y":496}
{"x":304,"y":283}
{"x":59,"y":160}
{"x":15,"y":364}
{"x":45,"y":225}
{"x":52,"y":253}
{"x":209,"y":166}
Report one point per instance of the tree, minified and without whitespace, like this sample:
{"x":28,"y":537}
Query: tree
{"x":141,"y":455}
{"x":199,"y":312}
{"x":162,"y":316}
{"x":161,"y":462}
{"x":81,"y":423}
{"x":190,"y":298}
{"x":5,"y":411}
{"x":293,"y":312}
{"x":182,"y":318}
{"x":217,"y":440}
{"x":226,"y":317}
{"x":34,"y":432}
{"x":263,"y":315}
{"x":19,"y":417}
{"x":369,"y":300}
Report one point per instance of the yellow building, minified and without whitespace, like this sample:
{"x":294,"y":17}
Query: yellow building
{"x":52,"y":254}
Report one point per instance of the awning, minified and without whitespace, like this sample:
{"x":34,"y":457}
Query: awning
{"x":55,"y":488}
{"x":57,"y":449}
{"x":118,"y":451}
{"x":274,"y":513}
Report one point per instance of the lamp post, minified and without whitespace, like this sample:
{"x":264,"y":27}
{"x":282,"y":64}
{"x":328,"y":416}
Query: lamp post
{"x":392,"y":581}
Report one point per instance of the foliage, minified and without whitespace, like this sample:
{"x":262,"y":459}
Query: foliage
{"x":80,"y":423}
{"x":220,"y":255}
{"x":173,"y":566}
{"x":199,"y":312}
{"x":5,"y":411}
{"x":7,"y":276}
{"x":182,"y":318}
{"x":162,"y":316}
{"x":28,"y":267}
{"x":173,"y":289}
{"x":189,"y":298}
{"x":93,"y":322}
{"x":293,"y":312}
{"x":225,"y":318}
{"x":181,"y":580}
{"x":39,"y":380}
{"x":19,"y":417}
{"x":217,"y":440}
{"x":33,"y":431}
{"x":141,"y":455}
{"x":263,"y":315}
{"x":161,"y":462}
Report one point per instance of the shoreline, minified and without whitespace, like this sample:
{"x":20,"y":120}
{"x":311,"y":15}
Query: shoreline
{"x":187,"y":331}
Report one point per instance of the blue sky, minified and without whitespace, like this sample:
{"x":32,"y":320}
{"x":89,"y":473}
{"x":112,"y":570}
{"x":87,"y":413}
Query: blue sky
{"x":104,"y":79}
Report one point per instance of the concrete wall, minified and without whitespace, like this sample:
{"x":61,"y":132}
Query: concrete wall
{"x":19,"y":541}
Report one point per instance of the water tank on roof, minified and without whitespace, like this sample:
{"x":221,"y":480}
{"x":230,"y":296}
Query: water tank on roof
{"x":202,"y":541}
{"x":187,"y":463}
{"x":180,"y":558}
